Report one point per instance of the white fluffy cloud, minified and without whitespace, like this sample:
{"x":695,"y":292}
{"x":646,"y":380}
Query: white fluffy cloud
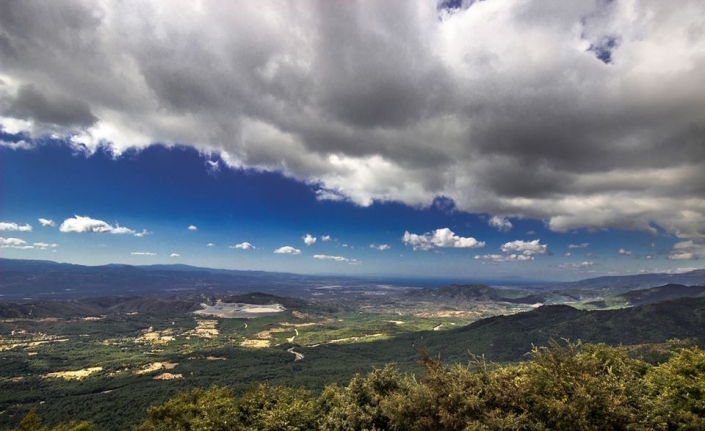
{"x":525,"y":248}
{"x":175,"y":255}
{"x":12,"y":242}
{"x":624,"y":252}
{"x":581,"y":245}
{"x":243,"y":246}
{"x":336,"y":258}
{"x":517,"y":251}
{"x":326,"y":238}
{"x":21,"y":244}
{"x":513,"y":257}
{"x":500,"y":223}
{"x":586,"y":114}
{"x":46,"y":222}
{"x":380,"y":247}
{"x":287,"y":249}
{"x":309,"y":240}
{"x":82,"y":224}
{"x":9,"y":226}
{"x":210,"y":244}
{"x":444,"y":237}
{"x":192,"y":227}
{"x":143,"y":253}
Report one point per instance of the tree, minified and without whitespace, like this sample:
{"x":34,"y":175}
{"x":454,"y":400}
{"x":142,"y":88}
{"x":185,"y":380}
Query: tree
{"x":677,"y":388}
{"x":197,"y":410}
{"x":585,"y":387}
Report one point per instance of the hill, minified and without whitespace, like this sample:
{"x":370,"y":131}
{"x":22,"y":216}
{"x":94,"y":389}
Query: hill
{"x":95,"y":307}
{"x":649,"y":296}
{"x":475,"y":292}
{"x":509,"y":338}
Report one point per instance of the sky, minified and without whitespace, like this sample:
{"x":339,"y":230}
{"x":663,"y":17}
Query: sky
{"x":471,"y":139}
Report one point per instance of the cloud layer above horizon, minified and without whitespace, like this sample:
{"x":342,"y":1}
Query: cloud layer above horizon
{"x":585,"y":114}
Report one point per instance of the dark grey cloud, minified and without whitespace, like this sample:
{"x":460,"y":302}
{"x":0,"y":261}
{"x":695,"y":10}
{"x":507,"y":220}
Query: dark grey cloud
{"x":584,"y":114}
{"x":31,"y":104}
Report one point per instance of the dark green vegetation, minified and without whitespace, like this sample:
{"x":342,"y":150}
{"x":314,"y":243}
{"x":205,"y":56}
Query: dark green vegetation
{"x":335,"y":346}
{"x":564,"y":387}
{"x":108,"y":360}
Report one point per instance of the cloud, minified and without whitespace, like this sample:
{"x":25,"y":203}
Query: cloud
{"x":687,"y":250}
{"x":192,"y":227}
{"x":336,"y":258}
{"x":440,"y":238}
{"x":380,"y":247}
{"x":143,"y":253}
{"x":175,"y":255}
{"x":582,"y":245}
{"x":30,"y":103}
{"x":143,"y":233}
{"x":82,"y":224}
{"x":517,"y":251}
{"x":12,"y":242}
{"x":19,"y":145}
{"x":567,"y":254}
{"x":8,"y":226}
{"x":525,"y":248}
{"x":309,"y":240}
{"x":513,"y":257}
{"x":213,"y":165}
{"x":244,"y":246}
{"x":577,"y":266}
{"x":624,"y":252}
{"x":46,"y":222}
{"x":44,"y":245}
{"x":21,"y":244}
{"x":586,"y":115}
{"x":326,"y":238}
{"x":287,"y":250}
{"x":210,"y":244}
{"x":501,"y":224}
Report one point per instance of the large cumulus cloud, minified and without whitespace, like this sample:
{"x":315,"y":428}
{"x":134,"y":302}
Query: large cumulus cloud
{"x":586,"y":114}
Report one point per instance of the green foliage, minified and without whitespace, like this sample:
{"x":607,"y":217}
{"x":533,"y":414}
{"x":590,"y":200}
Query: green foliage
{"x":32,"y":422}
{"x":275,"y":408}
{"x":197,"y":410}
{"x":677,"y":388}
{"x":585,"y":387}
{"x":460,"y":398}
{"x":361,"y":406}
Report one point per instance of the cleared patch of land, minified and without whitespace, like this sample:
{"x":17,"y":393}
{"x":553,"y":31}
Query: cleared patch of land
{"x":73,"y":375}
{"x":156,"y":366}
{"x":239,"y":310}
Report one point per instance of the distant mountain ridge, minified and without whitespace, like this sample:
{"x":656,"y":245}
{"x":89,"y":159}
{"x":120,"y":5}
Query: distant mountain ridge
{"x":47,"y":279}
{"x":476,"y":292}
{"x":92,"y":307}
{"x":637,"y":281}
{"x":30,"y":279}
{"x":650,"y":296}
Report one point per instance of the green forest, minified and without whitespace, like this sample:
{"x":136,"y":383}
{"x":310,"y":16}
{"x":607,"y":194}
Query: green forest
{"x":565,"y":386}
